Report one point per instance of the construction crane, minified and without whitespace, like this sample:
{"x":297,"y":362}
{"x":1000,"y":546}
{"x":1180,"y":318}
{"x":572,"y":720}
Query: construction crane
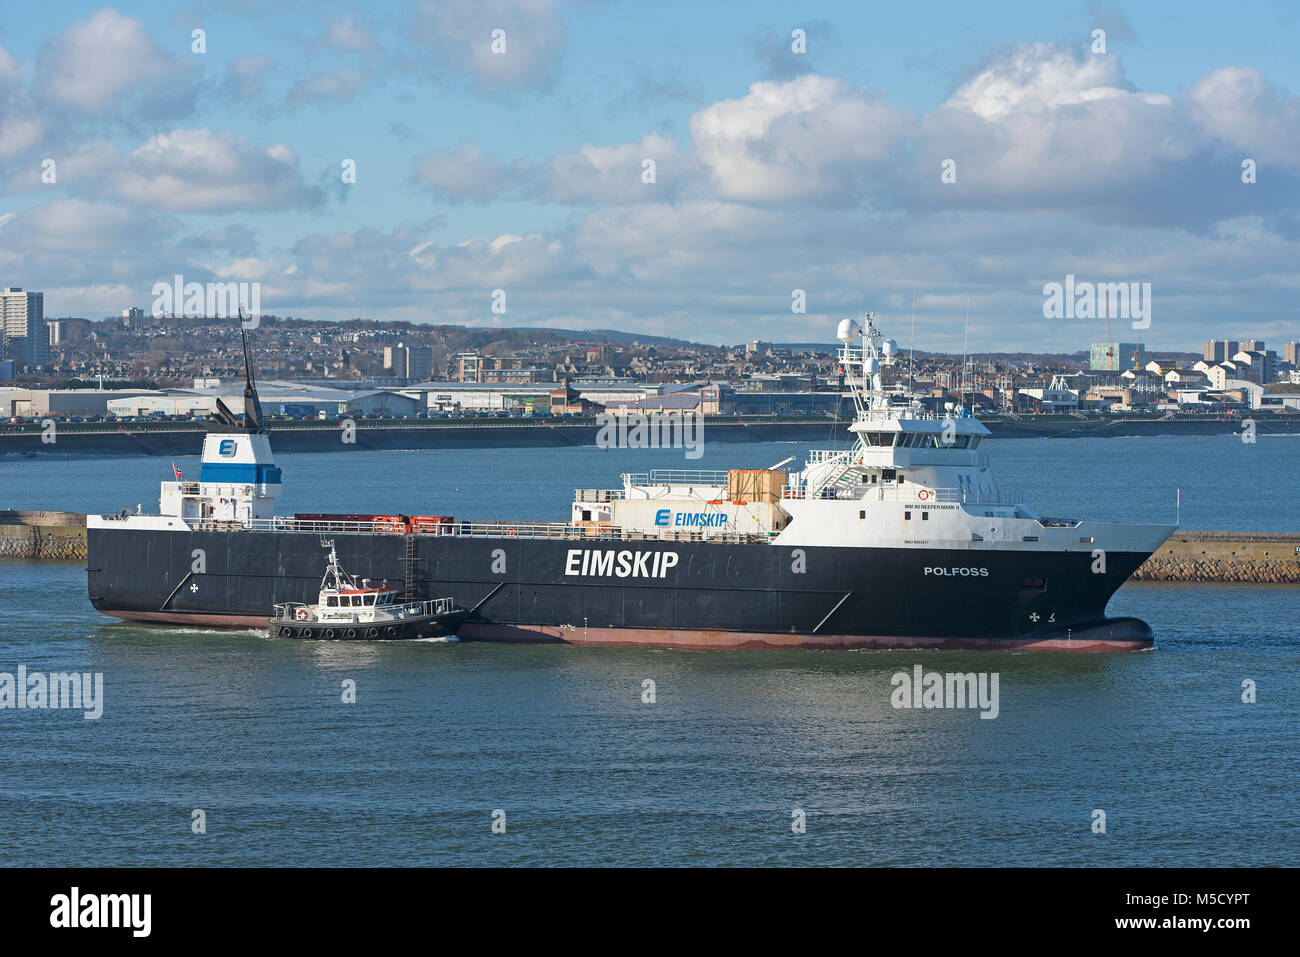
{"x":1110,"y":343}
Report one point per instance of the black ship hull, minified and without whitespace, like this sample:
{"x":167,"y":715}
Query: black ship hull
{"x":632,"y":593}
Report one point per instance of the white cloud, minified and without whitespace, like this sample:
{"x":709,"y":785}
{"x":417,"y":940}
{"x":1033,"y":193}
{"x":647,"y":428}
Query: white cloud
{"x":246,"y":74}
{"x":803,"y":139}
{"x":336,"y":84}
{"x":346,"y":35}
{"x":460,"y":33}
{"x":467,"y":174}
{"x":615,"y":174}
{"x":199,"y":170}
{"x":1236,"y":105}
{"x":1041,"y":76}
{"x":21,"y":127}
{"x":111,"y":63}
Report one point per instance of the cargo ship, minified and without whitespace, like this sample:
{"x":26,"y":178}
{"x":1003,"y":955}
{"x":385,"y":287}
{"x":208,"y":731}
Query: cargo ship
{"x":902,"y":540}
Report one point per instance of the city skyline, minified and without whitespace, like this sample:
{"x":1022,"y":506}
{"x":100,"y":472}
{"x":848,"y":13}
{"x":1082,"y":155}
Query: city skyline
{"x":778,"y":174}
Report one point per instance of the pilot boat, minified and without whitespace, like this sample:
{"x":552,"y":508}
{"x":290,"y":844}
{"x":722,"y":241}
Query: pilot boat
{"x":349,"y":609}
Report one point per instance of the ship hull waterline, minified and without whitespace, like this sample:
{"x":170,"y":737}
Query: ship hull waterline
{"x":713,"y":596}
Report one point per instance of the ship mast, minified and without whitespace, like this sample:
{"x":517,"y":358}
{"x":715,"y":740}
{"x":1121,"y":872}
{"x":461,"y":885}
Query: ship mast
{"x":863,"y":361}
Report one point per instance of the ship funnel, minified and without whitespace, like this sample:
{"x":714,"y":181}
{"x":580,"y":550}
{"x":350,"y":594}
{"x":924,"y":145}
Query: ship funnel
{"x":848,"y":330}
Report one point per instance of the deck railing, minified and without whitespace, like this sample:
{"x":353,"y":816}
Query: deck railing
{"x":286,"y":611}
{"x":916,"y":494}
{"x":706,"y":477}
{"x":494,"y":530}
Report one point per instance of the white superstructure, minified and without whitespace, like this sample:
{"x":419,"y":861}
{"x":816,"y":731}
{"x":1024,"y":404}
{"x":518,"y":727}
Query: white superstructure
{"x":912,"y":479}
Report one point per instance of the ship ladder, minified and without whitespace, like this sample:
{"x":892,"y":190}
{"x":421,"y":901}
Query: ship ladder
{"x":408,"y":568}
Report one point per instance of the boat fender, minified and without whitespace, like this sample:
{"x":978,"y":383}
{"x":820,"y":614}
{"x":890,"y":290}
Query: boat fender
{"x":390,"y":631}
{"x":350,"y":633}
{"x":329,"y":632}
{"x":286,"y":632}
{"x":372,"y":632}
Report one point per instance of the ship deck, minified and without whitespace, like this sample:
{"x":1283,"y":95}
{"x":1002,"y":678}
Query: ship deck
{"x":502,"y":530}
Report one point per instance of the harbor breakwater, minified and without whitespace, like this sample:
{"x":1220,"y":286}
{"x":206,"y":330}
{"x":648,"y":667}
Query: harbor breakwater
{"x":45,"y":535}
{"x":1193,"y":557}
{"x":1247,"y":557}
{"x":184,"y":438}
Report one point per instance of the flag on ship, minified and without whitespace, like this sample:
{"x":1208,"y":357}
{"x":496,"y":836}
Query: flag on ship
{"x":177,"y":469}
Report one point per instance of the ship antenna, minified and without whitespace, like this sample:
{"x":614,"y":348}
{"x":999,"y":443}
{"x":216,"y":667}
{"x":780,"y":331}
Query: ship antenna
{"x":911,"y":350}
{"x":965,"y":337}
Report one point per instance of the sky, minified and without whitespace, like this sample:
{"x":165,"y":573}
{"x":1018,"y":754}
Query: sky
{"x":718,"y":172}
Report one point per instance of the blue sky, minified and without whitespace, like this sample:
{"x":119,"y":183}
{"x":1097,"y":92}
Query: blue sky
{"x":775,"y":171}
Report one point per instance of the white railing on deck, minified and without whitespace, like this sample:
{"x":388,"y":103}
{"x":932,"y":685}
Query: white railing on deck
{"x":409,"y":609}
{"x":494,"y":530}
{"x":911,"y":493}
{"x":711,"y":477}
{"x":599,"y":494}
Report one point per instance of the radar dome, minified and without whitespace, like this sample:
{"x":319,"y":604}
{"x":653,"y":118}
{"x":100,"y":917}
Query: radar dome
{"x":847,"y":331}
{"x":888,"y":347}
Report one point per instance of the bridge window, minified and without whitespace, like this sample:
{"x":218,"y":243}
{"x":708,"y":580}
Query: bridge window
{"x":332,"y":601}
{"x":370,"y":600}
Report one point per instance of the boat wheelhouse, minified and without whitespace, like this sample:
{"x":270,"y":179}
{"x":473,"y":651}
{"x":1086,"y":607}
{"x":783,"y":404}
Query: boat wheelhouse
{"x":349,"y":609}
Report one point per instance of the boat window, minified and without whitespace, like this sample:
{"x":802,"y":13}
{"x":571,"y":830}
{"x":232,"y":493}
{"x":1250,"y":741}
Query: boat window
{"x":356,"y":601}
{"x":975,"y":441}
{"x":332,"y":601}
{"x":370,"y":599}
{"x":907,"y":516}
{"x":925,"y":516}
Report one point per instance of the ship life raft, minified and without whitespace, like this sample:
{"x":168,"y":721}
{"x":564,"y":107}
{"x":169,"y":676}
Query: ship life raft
{"x":348,"y":610}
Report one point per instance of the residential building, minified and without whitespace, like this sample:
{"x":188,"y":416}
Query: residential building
{"x":22,"y":325}
{"x":1220,"y":350}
